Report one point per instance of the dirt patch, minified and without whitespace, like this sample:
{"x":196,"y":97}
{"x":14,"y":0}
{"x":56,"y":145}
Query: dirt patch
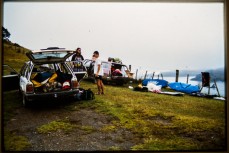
{"x":162,"y":120}
{"x":88,"y":134}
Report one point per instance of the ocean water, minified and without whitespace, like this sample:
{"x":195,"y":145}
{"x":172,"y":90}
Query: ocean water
{"x":213,"y":91}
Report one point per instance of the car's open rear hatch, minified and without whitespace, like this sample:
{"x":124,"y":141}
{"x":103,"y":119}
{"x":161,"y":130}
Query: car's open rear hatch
{"x":49,"y":56}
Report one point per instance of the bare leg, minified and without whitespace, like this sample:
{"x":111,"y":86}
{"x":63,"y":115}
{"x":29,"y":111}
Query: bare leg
{"x":102,"y":86}
{"x":98,"y":85}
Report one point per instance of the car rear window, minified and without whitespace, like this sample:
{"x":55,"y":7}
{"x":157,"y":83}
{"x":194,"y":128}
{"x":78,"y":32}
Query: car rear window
{"x":49,"y":55}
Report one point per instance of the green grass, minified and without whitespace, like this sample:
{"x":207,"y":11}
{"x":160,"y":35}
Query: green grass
{"x":10,"y":104}
{"x":153,"y":143}
{"x":63,"y":125}
{"x":55,"y":126}
{"x":13,"y":142}
{"x":114,"y":148}
{"x":163,"y":122}
{"x":14,"y":56}
{"x":108,"y":128}
{"x":87,"y":129}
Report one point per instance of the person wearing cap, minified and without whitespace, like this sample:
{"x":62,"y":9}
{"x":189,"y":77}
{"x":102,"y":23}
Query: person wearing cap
{"x":77,"y":58}
{"x":98,"y":72}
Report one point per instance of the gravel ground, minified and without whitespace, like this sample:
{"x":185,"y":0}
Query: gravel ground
{"x":27,"y":120}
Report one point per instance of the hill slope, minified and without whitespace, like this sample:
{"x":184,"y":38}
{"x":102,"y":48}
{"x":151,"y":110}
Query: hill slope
{"x":14,"y":55}
{"x":216,"y":74}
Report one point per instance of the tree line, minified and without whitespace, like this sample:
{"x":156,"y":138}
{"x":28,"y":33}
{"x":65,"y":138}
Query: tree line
{"x":5,"y":34}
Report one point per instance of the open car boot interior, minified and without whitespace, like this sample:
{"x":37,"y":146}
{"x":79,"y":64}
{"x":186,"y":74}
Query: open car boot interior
{"x":50,"y":77}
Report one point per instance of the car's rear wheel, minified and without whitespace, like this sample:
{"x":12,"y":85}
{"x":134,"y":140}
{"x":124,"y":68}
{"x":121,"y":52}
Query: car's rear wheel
{"x":25,"y":102}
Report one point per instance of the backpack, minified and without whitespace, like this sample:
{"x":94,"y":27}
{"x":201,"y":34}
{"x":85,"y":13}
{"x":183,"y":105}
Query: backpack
{"x":87,"y":94}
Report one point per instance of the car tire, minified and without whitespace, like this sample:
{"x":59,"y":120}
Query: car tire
{"x":25,"y":102}
{"x":20,"y":91}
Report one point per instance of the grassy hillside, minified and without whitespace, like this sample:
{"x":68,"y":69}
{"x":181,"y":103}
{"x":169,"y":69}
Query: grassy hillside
{"x":14,"y":55}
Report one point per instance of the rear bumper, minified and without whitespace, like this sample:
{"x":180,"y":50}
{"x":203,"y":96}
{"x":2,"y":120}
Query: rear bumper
{"x":51,"y":95}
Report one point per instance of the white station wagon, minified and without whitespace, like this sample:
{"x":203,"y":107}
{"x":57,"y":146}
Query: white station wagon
{"x":47,"y":76}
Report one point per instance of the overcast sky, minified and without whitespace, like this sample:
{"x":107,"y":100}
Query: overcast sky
{"x":153,"y":36}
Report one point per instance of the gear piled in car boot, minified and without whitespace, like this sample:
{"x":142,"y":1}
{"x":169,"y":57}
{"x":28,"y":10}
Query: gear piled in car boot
{"x":48,"y":82}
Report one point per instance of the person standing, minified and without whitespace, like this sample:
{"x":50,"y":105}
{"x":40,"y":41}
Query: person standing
{"x":98,"y":72}
{"x":77,"y":59}
{"x":77,"y":55}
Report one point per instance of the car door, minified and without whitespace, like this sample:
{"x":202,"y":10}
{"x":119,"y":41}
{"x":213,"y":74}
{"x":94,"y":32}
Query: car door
{"x":23,"y":80}
{"x":89,"y":64}
{"x":10,"y":79}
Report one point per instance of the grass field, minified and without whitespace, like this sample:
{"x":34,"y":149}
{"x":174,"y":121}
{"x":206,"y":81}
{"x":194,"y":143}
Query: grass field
{"x":164,"y":122}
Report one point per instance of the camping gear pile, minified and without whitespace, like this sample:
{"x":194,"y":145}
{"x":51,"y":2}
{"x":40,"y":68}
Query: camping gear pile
{"x":116,"y":60}
{"x":158,"y":82}
{"x":84,"y":94}
{"x":48,"y":82}
{"x":151,"y":87}
{"x":156,"y":85}
{"x":117,"y":72}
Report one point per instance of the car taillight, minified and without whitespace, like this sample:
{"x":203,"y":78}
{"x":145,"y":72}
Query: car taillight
{"x":29,"y":88}
{"x":74,"y":83}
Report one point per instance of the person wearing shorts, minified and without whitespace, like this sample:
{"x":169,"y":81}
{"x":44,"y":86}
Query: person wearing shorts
{"x":98,"y":72}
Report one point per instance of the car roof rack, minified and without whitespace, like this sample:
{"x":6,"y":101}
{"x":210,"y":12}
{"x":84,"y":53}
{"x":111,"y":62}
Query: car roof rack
{"x":52,"y":48}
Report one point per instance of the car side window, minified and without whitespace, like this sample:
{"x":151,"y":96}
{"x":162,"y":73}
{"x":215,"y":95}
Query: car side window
{"x":70,"y":63}
{"x":87,"y":63}
{"x":63,"y":68}
{"x":51,"y":68}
